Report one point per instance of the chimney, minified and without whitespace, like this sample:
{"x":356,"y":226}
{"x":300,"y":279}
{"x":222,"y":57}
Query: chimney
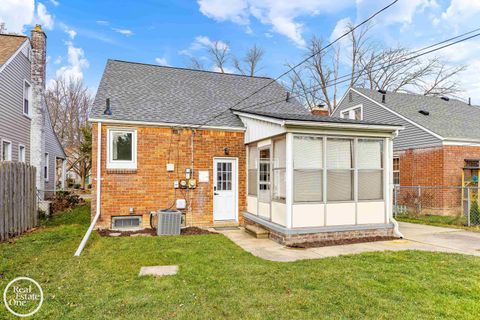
{"x":320,"y":111}
{"x":38,"y":42}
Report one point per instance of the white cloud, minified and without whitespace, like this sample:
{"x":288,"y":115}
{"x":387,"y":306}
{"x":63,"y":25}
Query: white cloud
{"x":76,"y":63}
{"x":43,"y":17}
{"x":281,"y":15}
{"x":125,"y":32}
{"x":102,"y":22}
{"x":71,"y":33}
{"x":58,"y":60}
{"x":201,"y":43}
{"x":55,"y":2}
{"x":16,"y":14}
{"x":162,"y":61}
{"x":340,"y":28}
{"x":461,"y":13}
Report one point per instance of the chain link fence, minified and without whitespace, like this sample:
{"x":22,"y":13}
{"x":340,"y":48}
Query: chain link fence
{"x":462,"y":202}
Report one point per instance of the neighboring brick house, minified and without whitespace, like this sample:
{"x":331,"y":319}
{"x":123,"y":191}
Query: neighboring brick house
{"x":441,"y":135}
{"x":167,"y":137}
{"x":26,"y":133}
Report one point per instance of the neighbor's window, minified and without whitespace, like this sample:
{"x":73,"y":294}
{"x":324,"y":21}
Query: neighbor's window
{"x":21,"y":153}
{"x":27,"y":93}
{"x":252,"y":170}
{"x":308,"y":169}
{"x":264,"y":175}
{"x":279,"y":168}
{"x":122,"y":153}
{"x":354,"y":113}
{"x":339,"y":169}
{"x":6,"y":150}
{"x":370,"y":169}
{"x":45,"y":167}
{"x":396,"y":171}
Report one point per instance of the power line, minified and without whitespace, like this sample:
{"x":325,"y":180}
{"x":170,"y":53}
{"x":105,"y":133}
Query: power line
{"x":316,"y":87}
{"x":298,"y":64}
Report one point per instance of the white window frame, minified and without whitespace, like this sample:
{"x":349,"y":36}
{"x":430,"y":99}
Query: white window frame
{"x":121,"y":164}
{"x":46,"y":167}
{"x":136,"y":217}
{"x":29,"y":114}
{"x":10,"y":150}
{"x":23,"y":158}
{"x":395,"y":171}
{"x":351,"y":112}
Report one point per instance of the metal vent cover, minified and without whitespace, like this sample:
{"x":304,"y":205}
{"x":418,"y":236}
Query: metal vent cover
{"x":169,"y":222}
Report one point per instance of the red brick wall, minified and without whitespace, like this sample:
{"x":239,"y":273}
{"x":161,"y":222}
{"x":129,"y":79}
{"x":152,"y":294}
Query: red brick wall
{"x":439,"y":166}
{"x":150,"y":187}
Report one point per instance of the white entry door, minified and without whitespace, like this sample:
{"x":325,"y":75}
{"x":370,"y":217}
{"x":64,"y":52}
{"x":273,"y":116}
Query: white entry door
{"x":224,"y":189}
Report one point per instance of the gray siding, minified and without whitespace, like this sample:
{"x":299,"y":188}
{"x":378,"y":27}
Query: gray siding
{"x":14,"y":125}
{"x":411,"y":137}
{"x":54,"y":150}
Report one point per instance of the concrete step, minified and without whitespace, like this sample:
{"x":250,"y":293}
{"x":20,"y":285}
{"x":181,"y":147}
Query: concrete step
{"x":256,"y":231}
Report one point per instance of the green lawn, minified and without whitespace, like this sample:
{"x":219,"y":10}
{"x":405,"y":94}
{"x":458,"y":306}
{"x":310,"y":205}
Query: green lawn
{"x":217,"y":279}
{"x":441,"y":221}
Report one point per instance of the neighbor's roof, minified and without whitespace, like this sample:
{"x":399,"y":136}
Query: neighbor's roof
{"x":311,"y":118}
{"x":9,"y":44}
{"x":449,"y":119}
{"x":153,"y":93}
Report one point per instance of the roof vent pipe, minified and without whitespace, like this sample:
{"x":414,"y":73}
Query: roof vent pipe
{"x":383,"y":92}
{"x":288,"y":97}
{"x":445,"y":98}
{"x":469,"y":101}
{"x":107,"y":111}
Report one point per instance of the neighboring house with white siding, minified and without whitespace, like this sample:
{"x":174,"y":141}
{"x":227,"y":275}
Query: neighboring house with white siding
{"x":26,"y":133}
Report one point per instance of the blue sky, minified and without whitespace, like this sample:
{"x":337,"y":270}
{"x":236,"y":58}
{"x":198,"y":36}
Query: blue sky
{"x":82,"y":35}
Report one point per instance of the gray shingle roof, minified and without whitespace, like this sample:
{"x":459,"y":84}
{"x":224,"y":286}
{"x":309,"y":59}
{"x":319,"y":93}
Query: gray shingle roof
{"x":311,"y":118}
{"x":449,"y":119}
{"x":152,"y":93}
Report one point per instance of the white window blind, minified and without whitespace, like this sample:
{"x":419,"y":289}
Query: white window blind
{"x":279,"y":164}
{"x":370,"y":169}
{"x":370,"y":154}
{"x":340,"y":170}
{"x":308,"y":168}
{"x":339,"y":153}
{"x":252,"y":170}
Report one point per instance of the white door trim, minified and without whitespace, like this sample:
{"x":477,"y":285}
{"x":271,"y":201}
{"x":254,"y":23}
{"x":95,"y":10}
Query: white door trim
{"x":235,"y":175}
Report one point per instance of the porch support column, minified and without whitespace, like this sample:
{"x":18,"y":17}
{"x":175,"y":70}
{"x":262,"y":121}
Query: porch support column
{"x":388,"y":177}
{"x":289,"y":180}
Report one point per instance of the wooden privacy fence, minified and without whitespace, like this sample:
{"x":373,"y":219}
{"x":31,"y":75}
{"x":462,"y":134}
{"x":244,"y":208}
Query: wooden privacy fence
{"x":18,"y":199}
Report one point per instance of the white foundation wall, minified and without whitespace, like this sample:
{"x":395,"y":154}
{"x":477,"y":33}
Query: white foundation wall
{"x":308,"y":215}
{"x":252,"y":205}
{"x":279,"y":213}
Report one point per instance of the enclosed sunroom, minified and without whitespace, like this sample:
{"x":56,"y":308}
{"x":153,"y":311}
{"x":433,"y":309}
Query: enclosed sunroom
{"x":318,"y":178}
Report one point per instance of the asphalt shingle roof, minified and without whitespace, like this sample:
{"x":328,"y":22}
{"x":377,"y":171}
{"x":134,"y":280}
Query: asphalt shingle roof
{"x":449,"y":119}
{"x":152,"y":93}
{"x":9,"y":44}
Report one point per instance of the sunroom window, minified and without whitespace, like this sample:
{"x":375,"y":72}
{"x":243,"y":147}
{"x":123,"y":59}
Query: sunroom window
{"x":340,"y":169}
{"x":370,"y":169}
{"x":279,"y":168}
{"x":264,"y":176}
{"x":122,"y":153}
{"x":252,"y":170}
{"x":308,"y":168}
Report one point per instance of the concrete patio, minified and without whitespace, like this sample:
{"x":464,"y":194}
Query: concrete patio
{"x":417,"y":237}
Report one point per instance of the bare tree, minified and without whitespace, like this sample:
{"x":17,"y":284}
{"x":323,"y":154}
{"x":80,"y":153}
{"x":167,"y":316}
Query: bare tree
{"x":3,"y":28}
{"x":218,"y":52}
{"x":69,"y":103}
{"x":317,"y":81}
{"x":196,"y":64}
{"x":250,"y":61}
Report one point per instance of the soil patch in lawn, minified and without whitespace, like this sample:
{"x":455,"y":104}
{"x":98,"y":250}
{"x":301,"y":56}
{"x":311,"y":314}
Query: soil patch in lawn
{"x":188,"y":231}
{"x":327,"y":243}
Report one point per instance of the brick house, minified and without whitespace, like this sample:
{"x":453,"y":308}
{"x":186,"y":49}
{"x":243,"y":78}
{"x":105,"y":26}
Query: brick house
{"x":441,"y":138}
{"x":166,"y":137}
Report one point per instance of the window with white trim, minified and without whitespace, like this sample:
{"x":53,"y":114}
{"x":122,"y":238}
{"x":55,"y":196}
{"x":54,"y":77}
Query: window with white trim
{"x":6,"y":150}
{"x":27,"y":95}
{"x":252,"y":170}
{"x":370,"y":169}
{"x":340,"y":169}
{"x":354,"y":113}
{"x":308,"y":169}
{"x":122,"y":149}
{"x":46,"y":166}
{"x":396,"y":171}
{"x":21,"y":153}
{"x":279,"y":169}
{"x":264,"y":175}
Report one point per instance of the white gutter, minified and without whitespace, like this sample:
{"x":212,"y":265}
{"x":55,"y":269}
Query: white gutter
{"x":99,"y":185}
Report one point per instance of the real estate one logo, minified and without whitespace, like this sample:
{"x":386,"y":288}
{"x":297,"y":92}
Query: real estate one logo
{"x":23,"y":297}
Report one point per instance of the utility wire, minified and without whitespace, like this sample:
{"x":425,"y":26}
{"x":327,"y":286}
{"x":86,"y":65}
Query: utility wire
{"x":316,"y":87}
{"x":298,"y":64}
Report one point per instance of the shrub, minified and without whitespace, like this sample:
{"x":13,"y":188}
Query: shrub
{"x":64,"y":200}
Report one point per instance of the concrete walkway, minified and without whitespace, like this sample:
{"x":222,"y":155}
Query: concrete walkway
{"x":417,"y":237}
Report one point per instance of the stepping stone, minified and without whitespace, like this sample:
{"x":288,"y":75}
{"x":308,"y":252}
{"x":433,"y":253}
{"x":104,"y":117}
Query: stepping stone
{"x":158,"y":271}
{"x":114,"y":234}
{"x":256,"y":231}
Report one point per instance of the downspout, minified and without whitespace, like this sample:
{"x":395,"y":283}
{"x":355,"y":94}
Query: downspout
{"x":396,"y":230}
{"x":99,"y":185}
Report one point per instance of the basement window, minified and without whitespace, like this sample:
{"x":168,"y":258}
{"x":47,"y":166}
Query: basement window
{"x":127,"y":222}
{"x":122,"y":149}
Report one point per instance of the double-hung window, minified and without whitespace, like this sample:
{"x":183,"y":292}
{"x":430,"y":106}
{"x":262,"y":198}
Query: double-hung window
{"x":340,"y":172}
{"x":264,"y":175}
{"x":6,"y":150}
{"x":308,"y":169}
{"x":21,"y":153}
{"x":396,"y":171}
{"x":279,"y":169}
{"x":122,"y":149}
{"x":27,"y":94}
{"x":370,"y":169}
{"x":354,"y":113}
{"x":46,"y":167}
{"x":252,"y":170}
